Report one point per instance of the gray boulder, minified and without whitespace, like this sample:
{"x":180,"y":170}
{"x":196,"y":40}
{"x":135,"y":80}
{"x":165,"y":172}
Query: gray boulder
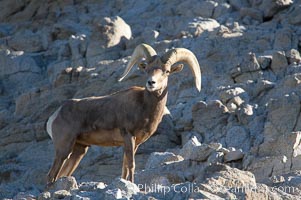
{"x":233,"y":155}
{"x":127,"y":188}
{"x":270,"y":7}
{"x":209,"y":119}
{"x":65,"y":183}
{"x":196,"y":151}
{"x":108,"y":36}
{"x":18,"y":72}
{"x":156,"y":159}
{"x":27,"y":41}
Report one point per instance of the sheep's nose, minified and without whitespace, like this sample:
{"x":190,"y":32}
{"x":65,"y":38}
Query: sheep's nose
{"x":151,"y":83}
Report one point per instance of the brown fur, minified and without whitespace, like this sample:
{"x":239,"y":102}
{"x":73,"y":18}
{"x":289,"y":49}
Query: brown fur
{"x":93,"y":121}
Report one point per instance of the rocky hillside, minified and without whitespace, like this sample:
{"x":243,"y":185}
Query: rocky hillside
{"x":239,"y":138}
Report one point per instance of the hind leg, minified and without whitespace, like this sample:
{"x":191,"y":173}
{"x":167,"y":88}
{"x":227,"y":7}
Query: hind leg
{"x":62,"y":151}
{"x":58,"y":162}
{"x":78,"y":152}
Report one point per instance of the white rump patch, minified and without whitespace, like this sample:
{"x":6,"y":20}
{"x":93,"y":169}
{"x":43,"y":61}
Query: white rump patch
{"x":50,"y":121}
{"x":166,"y":111}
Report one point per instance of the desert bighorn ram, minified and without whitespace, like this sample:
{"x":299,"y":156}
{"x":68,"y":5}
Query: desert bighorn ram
{"x":126,"y":118}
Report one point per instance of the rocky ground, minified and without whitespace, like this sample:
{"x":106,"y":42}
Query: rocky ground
{"x":239,"y":138}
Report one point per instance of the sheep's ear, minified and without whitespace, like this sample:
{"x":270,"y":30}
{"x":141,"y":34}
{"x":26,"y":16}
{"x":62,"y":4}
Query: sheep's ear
{"x":142,"y":65}
{"x":176,"y":68}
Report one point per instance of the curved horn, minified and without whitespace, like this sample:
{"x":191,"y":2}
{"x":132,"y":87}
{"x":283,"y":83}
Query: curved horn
{"x":184,"y":55}
{"x":141,"y":51}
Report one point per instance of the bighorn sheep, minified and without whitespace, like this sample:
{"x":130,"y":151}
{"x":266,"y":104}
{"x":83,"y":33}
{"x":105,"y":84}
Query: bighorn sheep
{"x":126,"y":118}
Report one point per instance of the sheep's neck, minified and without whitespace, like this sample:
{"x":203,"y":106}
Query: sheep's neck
{"x":159,"y":94}
{"x":155,"y":103}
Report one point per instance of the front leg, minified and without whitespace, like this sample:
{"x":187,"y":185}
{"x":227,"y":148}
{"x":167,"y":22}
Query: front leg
{"x":129,"y":156}
{"x":125,"y":169}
